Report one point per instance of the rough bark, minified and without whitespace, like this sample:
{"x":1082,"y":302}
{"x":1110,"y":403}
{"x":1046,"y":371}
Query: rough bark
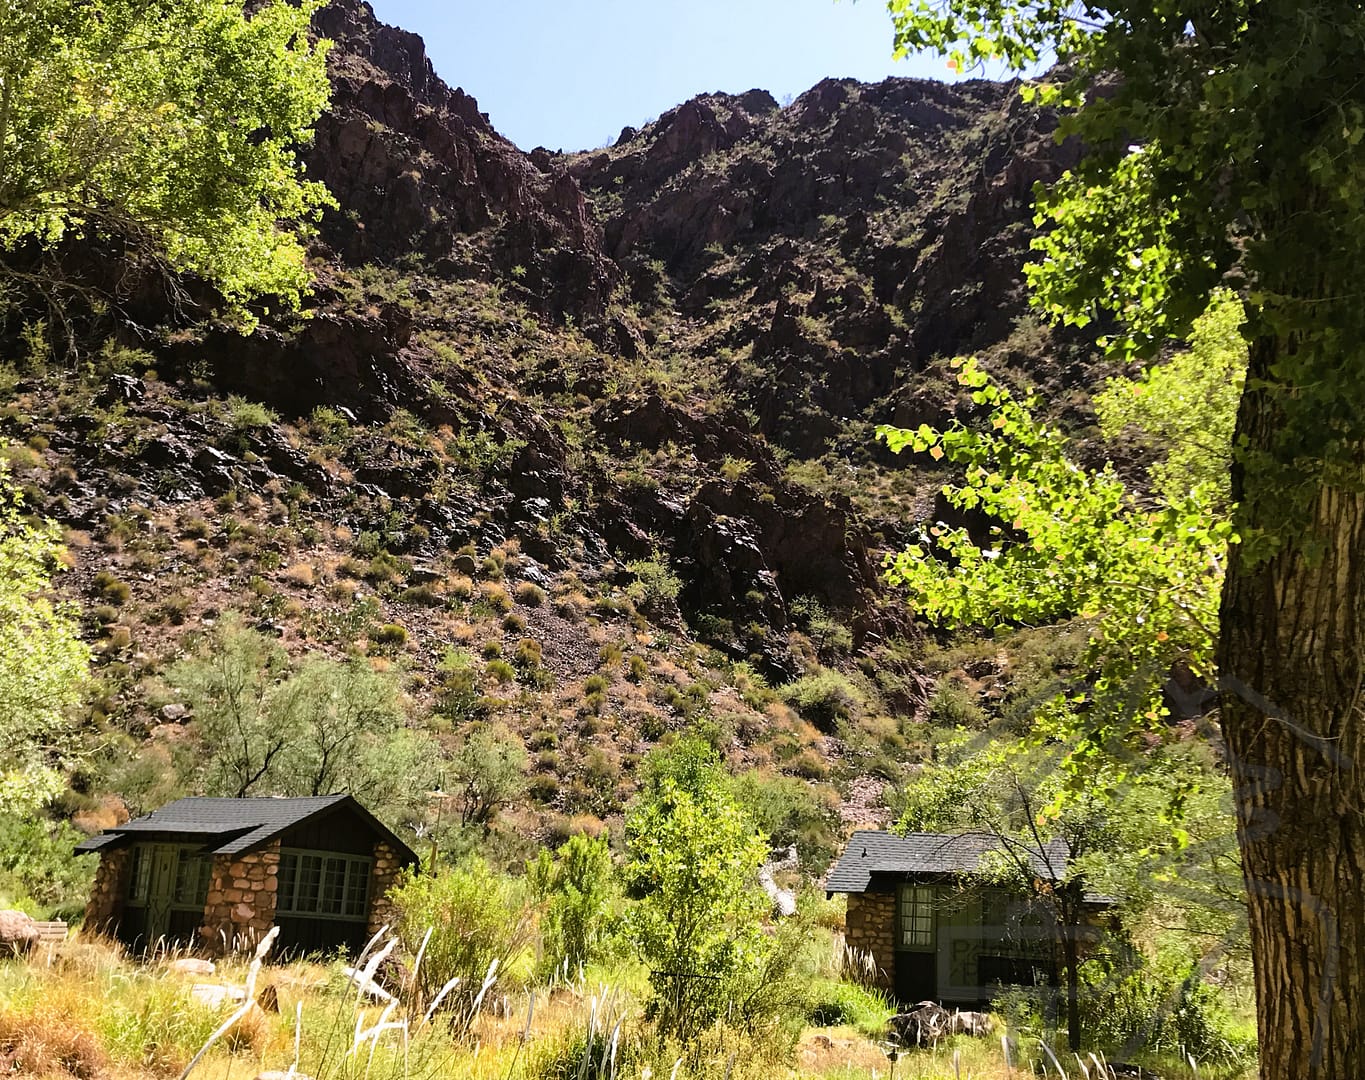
{"x":1292,"y":658}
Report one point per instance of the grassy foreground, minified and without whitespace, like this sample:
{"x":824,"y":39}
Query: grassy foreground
{"x":84,"y":1011}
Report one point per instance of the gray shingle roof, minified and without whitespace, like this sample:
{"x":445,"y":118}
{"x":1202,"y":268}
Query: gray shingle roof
{"x":871,"y":853}
{"x":233,"y":826}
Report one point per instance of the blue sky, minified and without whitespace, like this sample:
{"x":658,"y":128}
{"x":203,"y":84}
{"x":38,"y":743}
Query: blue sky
{"x":570,"y":74}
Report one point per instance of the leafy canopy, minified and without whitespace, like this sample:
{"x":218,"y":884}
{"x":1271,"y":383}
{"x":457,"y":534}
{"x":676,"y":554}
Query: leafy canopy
{"x":1223,"y":146}
{"x":172,"y":121}
{"x":43,"y":663}
{"x":316,"y":727}
{"x":1183,"y":411}
{"x":1067,"y":543}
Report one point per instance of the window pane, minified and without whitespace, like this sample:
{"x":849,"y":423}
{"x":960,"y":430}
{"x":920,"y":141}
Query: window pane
{"x":357,"y":887}
{"x":191,"y":879}
{"x":284,"y":900}
{"x":310,"y":883}
{"x":139,"y":872}
{"x":334,"y":886}
{"x":916,"y":916}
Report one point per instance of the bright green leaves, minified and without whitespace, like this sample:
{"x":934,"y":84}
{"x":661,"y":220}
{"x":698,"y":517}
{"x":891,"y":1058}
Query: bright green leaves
{"x":174,"y":123}
{"x":692,"y":862}
{"x":43,"y":664}
{"x":990,"y":30}
{"x":1067,"y":543}
{"x":1116,"y":247}
{"x":1184,"y":411}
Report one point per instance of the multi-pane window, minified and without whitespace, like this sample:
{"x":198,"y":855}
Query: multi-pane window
{"x":916,"y":917}
{"x":192,"y":879}
{"x":139,"y":874}
{"x":337,"y":885}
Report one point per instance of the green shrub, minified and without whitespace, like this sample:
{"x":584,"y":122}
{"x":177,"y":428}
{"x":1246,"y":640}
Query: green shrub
{"x":530,"y":594}
{"x":391,"y":635}
{"x":824,"y":697}
{"x":476,"y":916}
{"x":655,"y":588}
{"x":637,"y":669}
{"x":501,"y":671}
{"x":246,"y":415}
{"x":111,"y":588}
{"x":577,"y":887}
{"x":834,"y":1003}
{"x":528,"y":653}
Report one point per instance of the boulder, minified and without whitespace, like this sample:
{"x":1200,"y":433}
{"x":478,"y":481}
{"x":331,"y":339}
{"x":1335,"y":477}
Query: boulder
{"x":922,"y":1025}
{"x":18,"y":933}
{"x":970,"y":1023}
{"x":189,"y":965}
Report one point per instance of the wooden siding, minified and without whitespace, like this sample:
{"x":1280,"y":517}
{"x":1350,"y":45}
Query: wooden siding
{"x":340,"y":830}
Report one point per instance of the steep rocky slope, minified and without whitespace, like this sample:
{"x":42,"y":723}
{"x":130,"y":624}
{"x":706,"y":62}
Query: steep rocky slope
{"x":616,"y":404}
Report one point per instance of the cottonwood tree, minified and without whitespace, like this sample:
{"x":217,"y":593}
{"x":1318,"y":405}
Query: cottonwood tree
{"x":1224,"y":147}
{"x":43,"y":663}
{"x":169,"y":124}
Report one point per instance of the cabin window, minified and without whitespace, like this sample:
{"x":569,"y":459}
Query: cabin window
{"x":139,"y":874}
{"x":328,"y":885}
{"x":916,"y":917}
{"x":192,"y":873}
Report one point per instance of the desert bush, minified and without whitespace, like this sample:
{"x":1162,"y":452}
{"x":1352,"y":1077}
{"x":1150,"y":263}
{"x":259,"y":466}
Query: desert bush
{"x":577,"y":887}
{"x":245,"y":415}
{"x":501,"y":671}
{"x":111,"y":588}
{"x":529,"y":593}
{"x":391,"y":636}
{"x":655,"y":588}
{"x":824,"y":697}
{"x":480,"y":921}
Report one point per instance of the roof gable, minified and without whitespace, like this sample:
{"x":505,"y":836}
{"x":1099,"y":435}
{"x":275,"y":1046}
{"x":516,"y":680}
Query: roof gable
{"x":236,"y":826}
{"x":914,"y":854}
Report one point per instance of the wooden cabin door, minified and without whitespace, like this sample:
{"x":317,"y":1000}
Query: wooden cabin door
{"x":160,"y":893}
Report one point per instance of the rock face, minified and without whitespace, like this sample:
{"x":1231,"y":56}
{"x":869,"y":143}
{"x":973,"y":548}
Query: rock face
{"x":418,"y":169}
{"x":18,"y":933}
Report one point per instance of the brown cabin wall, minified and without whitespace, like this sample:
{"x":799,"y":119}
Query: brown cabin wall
{"x":383,"y":875}
{"x":105,"y":906}
{"x":870,"y":927}
{"x":240,"y":906}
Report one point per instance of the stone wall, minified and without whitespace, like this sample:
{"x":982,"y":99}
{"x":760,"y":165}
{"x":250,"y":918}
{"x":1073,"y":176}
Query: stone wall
{"x":870,"y":927}
{"x":240,"y":906}
{"x":385,"y":872}
{"x":105,"y":906}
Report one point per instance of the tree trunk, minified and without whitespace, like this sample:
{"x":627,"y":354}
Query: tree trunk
{"x":1072,"y":962}
{"x":1292,"y":658}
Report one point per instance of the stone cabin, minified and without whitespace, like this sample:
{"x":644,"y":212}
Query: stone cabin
{"x":934,"y":933}
{"x":216,"y":874}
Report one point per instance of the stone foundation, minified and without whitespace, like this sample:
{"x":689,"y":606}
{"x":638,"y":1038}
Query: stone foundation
{"x":240,"y":906}
{"x":870,"y":927}
{"x":105,"y":906}
{"x":383,"y":875}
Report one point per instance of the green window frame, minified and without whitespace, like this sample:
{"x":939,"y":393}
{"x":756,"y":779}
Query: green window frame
{"x":139,"y":874}
{"x":323,"y":885}
{"x":915,"y":917}
{"x":190,"y":885}
{"x":192,"y":873}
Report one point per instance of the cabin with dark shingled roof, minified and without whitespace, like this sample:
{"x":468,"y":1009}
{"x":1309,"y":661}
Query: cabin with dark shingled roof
{"x":935,"y":928}
{"x":216,"y":874}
